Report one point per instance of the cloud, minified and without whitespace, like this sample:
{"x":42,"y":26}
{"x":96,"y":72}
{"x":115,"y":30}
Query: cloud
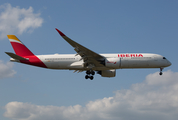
{"x":155,"y":98}
{"x":6,"y":70}
{"x":15,"y":20}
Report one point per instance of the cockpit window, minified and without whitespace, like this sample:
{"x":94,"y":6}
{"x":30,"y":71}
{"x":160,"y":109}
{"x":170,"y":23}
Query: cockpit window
{"x":164,"y":58}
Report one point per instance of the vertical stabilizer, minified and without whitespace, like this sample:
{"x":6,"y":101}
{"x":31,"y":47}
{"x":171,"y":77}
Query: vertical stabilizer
{"x":19,"y":48}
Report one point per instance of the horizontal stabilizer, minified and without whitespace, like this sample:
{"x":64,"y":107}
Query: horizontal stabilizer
{"x":15,"y":56}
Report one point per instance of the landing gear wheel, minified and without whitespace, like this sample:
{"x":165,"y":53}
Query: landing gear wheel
{"x":93,"y":73}
{"x":160,"y":73}
{"x":87,"y":72}
{"x":91,"y":77}
{"x":90,"y":74}
{"x":86,"y":77}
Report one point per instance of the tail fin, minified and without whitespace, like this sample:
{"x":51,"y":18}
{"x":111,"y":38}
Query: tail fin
{"x":19,"y":48}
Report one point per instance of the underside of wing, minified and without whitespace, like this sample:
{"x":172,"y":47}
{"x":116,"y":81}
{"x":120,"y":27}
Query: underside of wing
{"x":90,"y":58}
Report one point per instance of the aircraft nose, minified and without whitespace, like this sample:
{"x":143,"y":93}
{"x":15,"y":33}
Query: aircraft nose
{"x":169,"y":63}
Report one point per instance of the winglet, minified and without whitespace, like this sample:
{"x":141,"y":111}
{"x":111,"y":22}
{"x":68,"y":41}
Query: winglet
{"x":62,"y":34}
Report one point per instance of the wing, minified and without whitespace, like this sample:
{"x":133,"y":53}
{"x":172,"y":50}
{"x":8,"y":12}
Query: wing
{"x":90,"y":58}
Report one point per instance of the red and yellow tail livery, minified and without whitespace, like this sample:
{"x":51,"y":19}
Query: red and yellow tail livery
{"x":86,"y":59}
{"x":23,"y":54}
{"x":19,"y":48}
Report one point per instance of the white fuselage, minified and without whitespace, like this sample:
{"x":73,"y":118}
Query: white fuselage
{"x":112,"y":61}
{"x":86,"y":59}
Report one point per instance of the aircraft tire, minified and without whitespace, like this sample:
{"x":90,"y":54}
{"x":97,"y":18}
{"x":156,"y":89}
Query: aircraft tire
{"x":87,"y":72}
{"x":160,"y":73}
{"x":86,"y":77}
{"x":93,"y":72}
{"x":91,"y":77}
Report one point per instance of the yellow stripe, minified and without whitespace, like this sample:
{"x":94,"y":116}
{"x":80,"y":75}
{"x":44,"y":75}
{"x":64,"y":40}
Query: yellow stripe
{"x":13,"y":37}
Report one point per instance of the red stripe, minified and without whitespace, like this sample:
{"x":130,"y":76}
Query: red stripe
{"x":33,"y":60}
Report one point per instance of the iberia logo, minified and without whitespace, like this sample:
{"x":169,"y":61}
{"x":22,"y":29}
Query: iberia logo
{"x":130,"y":55}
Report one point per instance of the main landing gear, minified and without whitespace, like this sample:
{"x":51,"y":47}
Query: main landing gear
{"x":161,"y":71}
{"x":90,"y":74}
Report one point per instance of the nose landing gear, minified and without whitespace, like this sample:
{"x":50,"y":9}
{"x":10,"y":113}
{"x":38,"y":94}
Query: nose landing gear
{"x":90,"y":74}
{"x":161,"y":71}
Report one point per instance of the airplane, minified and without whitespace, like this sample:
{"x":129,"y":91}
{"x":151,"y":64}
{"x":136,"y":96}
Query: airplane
{"x":86,"y":59}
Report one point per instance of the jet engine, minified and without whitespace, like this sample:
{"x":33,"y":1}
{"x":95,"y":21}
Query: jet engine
{"x":107,"y":73}
{"x":113,"y":63}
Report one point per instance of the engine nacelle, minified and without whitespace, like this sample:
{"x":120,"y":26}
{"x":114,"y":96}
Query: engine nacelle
{"x":113,"y":63}
{"x":107,"y":73}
